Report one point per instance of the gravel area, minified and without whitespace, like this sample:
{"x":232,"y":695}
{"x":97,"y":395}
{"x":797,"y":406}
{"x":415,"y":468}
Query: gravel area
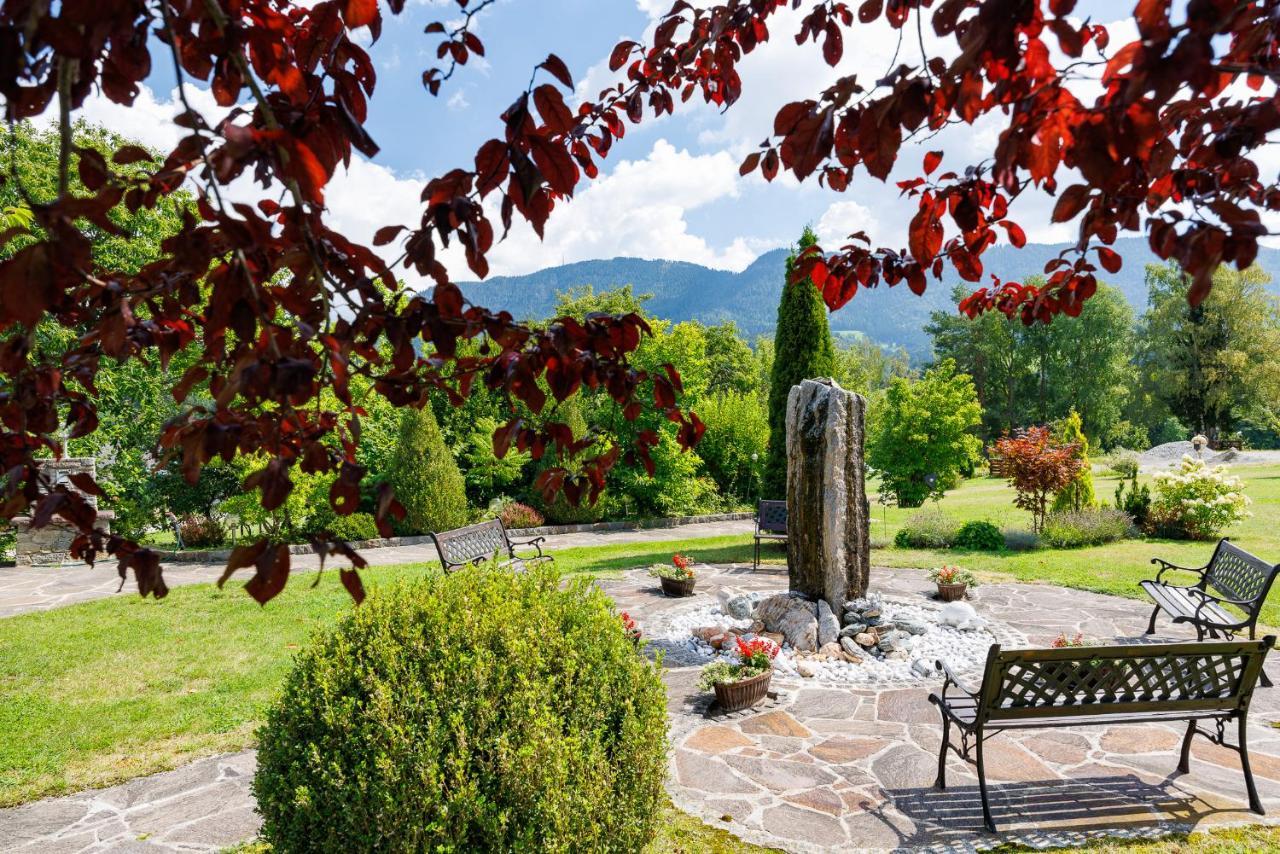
{"x":1163,"y":456}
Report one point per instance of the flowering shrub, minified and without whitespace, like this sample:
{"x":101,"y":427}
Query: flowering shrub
{"x":681,"y":568}
{"x":755,"y":656}
{"x":517,"y":515}
{"x":199,"y":532}
{"x":952,"y":574}
{"x":1195,"y":502}
{"x":1075,"y":529}
{"x":629,"y":626}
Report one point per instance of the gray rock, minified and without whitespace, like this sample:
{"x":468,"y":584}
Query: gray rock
{"x":853,"y":629}
{"x":740,"y":607}
{"x":866,"y":639}
{"x":826,"y":492}
{"x":851,"y":648}
{"x":828,"y":625}
{"x":894,"y":640}
{"x":915,"y":627}
{"x":920,"y":668}
{"x":795,"y":617}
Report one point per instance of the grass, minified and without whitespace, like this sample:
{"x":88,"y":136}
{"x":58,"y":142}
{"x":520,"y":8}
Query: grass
{"x":1114,"y":568}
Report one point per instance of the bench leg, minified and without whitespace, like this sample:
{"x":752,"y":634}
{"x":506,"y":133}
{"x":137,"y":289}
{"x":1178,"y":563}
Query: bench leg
{"x":1151,"y":627}
{"x":941,"y":782}
{"x":982,"y":787}
{"x":1262,"y":672}
{"x":756,"y":564}
{"x":1184,"y":763}
{"x":1255,"y":803}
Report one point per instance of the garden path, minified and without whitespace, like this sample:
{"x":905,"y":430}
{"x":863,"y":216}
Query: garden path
{"x":38,"y":588}
{"x":818,"y":768}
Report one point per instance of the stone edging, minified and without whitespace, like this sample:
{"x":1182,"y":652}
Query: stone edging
{"x":216,"y":555}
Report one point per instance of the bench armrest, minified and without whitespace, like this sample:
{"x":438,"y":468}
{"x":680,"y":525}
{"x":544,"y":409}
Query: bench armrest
{"x":953,"y":679}
{"x":536,"y":542}
{"x":1165,"y":566}
{"x":1223,"y":600}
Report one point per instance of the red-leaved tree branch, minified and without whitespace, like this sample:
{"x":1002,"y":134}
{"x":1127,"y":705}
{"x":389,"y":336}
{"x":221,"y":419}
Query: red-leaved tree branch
{"x":280,"y":306}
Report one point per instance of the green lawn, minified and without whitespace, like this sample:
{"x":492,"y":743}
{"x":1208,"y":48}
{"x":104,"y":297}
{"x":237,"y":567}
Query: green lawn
{"x":1115,"y":568}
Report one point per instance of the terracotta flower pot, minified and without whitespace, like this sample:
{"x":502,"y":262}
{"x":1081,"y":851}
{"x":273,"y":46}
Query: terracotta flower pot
{"x":951,"y":592}
{"x":743,"y":694}
{"x":677,"y":586}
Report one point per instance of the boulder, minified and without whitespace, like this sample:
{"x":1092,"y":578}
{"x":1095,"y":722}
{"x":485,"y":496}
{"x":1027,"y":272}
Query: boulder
{"x":828,"y":625}
{"x":960,"y":615}
{"x":776,"y":637}
{"x":829,"y":540}
{"x":853,"y":629}
{"x":832,"y":650}
{"x":912,"y":626}
{"x":706,"y":633}
{"x":866,"y":639}
{"x":794,"y":616}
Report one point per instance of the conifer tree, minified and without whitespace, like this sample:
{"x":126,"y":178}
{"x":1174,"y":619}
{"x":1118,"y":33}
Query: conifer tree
{"x":1078,"y":494}
{"x":802,"y":350}
{"x":426,"y":477}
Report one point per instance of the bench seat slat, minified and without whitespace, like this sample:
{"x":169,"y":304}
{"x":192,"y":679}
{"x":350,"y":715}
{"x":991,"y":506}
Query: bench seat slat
{"x":964,"y":710}
{"x":1178,"y":602}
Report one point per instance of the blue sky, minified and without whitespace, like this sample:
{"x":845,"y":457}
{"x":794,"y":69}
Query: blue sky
{"x":670,"y":189}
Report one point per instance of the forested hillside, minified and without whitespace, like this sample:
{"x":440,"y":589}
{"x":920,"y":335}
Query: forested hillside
{"x":895,"y":317}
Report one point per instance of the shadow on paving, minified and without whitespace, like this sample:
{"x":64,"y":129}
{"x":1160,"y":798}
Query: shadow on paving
{"x":1105,"y":804}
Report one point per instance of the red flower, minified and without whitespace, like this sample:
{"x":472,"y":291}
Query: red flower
{"x":757,"y":652}
{"x":629,"y":626}
{"x":681,"y":561}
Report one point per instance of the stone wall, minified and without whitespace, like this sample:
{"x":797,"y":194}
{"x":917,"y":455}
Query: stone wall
{"x":51,"y":545}
{"x":828,"y":534}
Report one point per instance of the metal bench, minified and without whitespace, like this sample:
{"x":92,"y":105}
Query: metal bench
{"x":1231,"y":577}
{"x":771,"y":524}
{"x":483,"y":542}
{"x":1195,"y":682}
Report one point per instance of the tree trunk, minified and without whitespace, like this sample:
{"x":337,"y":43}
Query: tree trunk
{"x":828,"y":534}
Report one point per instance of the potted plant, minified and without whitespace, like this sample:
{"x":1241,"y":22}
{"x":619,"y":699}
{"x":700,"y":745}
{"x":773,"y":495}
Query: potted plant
{"x":678,"y":578}
{"x":953,"y":582}
{"x":745,"y":683}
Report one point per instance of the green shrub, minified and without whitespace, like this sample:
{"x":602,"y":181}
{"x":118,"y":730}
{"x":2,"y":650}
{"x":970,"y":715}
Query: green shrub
{"x":979,"y":536}
{"x":1076,"y":528}
{"x":357,"y":526}
{"x":1195,"y":502}
{"x":516,"y":515}
{"x":1123,"y":463}
{"x":928,"y":529}
{"x":425,"y":476}
{"x":484,"y":711}
{"x":201,"y":532}
{"x":1078,"y":494}
{"x":1020,"y":539}
{"x":737,"y":430}
{"x":1136,"y":501}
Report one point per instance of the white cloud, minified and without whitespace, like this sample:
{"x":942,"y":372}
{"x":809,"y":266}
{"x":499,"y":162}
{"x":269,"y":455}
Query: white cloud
{"x":458,"y":101}
{"x":843,"y":219}
{"x":638,"y":210}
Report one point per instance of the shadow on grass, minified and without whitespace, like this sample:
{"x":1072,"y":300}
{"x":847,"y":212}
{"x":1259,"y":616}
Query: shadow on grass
{"x":645,"y":554}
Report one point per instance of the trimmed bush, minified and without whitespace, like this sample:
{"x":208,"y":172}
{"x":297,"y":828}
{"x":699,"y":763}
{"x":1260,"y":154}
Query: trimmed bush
{"x":928,"y":529}
{"x":1076,"y":528}
{"x":201,"y":532}
{"x":979,"y":536}
{"x":425,"y":476}
{"x":486,"y":710}
{"x":1020,"y":540}
{"x":1123,"y":463}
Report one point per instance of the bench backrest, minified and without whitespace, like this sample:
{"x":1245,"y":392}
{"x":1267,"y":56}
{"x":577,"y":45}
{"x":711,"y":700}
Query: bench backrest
{"x":771,"y":517}
{"x":1106,"y":680}
{"x":473,"y":543}
{"x":1233,"y":573}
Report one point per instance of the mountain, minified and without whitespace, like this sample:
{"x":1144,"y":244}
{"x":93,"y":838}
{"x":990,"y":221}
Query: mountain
{"x":889,"y":316}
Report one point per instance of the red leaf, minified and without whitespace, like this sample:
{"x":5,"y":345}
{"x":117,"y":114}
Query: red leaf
{"x":555,"y":164}
{"x":552,"y":108}
{"x":931,"y":161}
{"x":1110,"y":260}
{"x":555,"y":66}
{"x":1070,"y":203}
{"x":386,"y":234}
{"x":621,"y":51}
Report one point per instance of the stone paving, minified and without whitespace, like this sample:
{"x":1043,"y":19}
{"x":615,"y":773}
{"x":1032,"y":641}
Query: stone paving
{"x":27,"y":588}
{"x":816,"y":768}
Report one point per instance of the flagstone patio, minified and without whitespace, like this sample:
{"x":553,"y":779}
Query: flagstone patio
{"x":826,"y":767}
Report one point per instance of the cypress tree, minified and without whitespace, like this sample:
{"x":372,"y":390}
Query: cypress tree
{"x":802,"y":350}
{"x":426,"y":477}
{"x":1078,"y":495}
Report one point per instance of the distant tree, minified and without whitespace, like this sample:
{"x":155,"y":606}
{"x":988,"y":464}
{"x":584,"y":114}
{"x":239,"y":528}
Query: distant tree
{"x":1034,"y":374}
{"x":802,"y":349}
{"x":1037,"y":467}
{"x":731,"y":363}
{"x":921,"y":437}
{"x":1212,"y":364}
{"x":864,"y":366}
{"x":425,"y":476}
{"x":1078,"y":494}
{"x":737,"y":428}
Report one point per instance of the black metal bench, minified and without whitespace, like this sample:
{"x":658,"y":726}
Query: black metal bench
{"x":1210,"y":682}
{"x":771,"y":524}
{"x":1231,"y":577}
{"x":483,"y":542}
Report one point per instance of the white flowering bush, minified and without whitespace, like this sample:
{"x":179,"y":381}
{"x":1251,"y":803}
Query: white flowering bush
{"x":1194,"y":501}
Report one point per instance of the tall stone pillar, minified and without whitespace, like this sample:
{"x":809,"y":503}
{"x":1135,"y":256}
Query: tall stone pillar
{"x":828,"y":534}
